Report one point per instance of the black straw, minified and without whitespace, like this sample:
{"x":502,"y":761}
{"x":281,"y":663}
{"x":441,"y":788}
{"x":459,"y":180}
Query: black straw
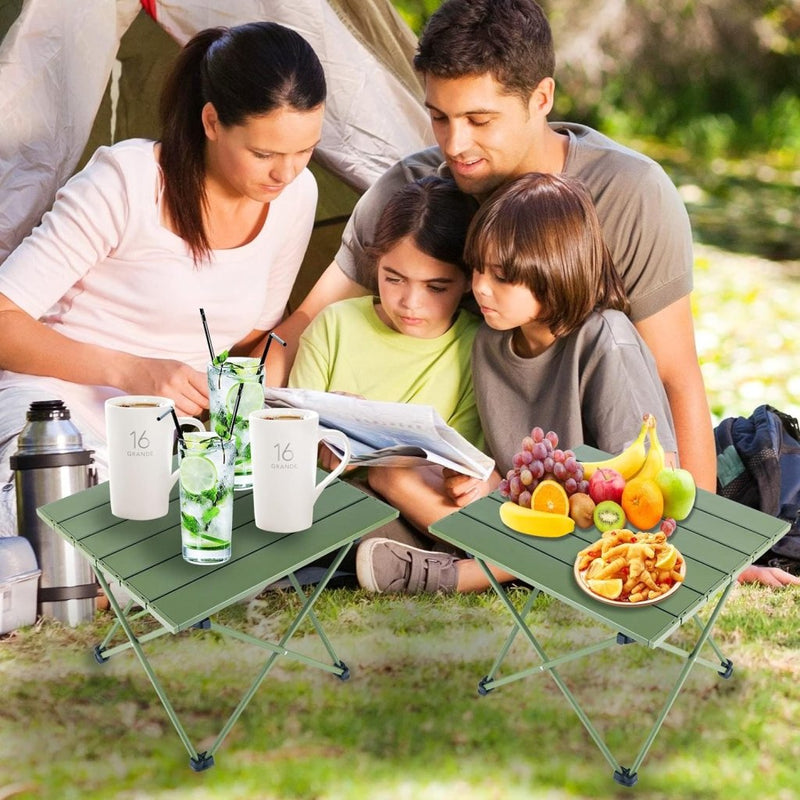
{"x":235,"y":409}
{"x":175,"y":420}
{"x":271,"y":336}
{"x":208,"y":335}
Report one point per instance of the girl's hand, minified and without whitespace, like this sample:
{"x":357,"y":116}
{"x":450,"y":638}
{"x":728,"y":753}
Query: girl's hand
{"x":463,"y":489}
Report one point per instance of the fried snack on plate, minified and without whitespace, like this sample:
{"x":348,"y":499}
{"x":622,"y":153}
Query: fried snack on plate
{"x":630,"y":567}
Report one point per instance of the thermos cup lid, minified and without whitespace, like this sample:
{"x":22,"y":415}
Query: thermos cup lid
{"x":48,"y":429}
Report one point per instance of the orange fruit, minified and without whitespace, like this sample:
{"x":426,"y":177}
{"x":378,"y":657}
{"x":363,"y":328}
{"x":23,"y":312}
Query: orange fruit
{"x":550,"y":496}
{"x":642,"y":503}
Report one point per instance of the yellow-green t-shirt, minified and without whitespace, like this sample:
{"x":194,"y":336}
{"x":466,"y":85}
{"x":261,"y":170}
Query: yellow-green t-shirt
{"x":347,"y":348}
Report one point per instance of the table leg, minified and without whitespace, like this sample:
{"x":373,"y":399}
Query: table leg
{"x":194,"y":756}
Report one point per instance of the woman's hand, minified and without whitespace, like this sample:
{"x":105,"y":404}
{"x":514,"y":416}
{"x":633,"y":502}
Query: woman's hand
{"x":165,"y":377}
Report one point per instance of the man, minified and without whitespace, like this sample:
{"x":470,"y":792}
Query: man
{"x":488,"y":70}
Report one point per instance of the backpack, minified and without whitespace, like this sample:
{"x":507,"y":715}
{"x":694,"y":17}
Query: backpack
{"x":758,"y":465}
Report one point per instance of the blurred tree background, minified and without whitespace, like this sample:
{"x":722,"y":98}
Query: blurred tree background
{"x":707,"y":87}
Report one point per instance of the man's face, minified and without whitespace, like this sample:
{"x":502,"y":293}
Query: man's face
{"x":487,"y":136}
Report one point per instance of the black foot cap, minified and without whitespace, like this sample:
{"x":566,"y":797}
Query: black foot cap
{"x":203,"y":625}
{"x":624,"y":776}
{"x":728,"y":668}
{"x":98,"y":655}
{"x":482,"y":690}
{"x":344,"y":675}
{"x":201,"y":762}
{"x":623,"y":639}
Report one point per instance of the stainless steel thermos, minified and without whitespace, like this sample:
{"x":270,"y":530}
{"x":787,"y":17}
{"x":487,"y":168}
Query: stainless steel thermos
{"x":51,"y":463}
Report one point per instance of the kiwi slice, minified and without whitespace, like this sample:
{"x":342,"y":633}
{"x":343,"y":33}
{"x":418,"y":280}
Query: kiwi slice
{"x":608,"y":516}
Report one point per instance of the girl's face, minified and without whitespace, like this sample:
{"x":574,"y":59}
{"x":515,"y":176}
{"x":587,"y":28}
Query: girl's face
{"x":262,"y":156}
{"x":506,"y":306}
{"x":419,"y":294}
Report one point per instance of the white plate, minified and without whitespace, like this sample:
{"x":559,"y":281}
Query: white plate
{"x":580,"y":578}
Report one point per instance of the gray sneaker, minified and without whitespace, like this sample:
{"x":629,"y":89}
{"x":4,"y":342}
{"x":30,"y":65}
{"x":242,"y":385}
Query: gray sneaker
{"x":383,"y":565}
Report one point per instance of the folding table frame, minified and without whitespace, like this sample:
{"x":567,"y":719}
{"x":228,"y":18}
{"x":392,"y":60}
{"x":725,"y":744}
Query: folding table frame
{"x":145,"y":557}
{"x":718,"y":540}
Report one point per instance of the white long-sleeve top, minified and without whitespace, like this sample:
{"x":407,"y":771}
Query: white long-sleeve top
{"x":102,"y":269}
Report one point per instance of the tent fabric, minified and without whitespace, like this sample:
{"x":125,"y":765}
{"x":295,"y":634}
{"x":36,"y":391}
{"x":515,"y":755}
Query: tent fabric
{"x":56,"y":59}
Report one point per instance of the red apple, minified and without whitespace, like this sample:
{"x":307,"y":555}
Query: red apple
{"x":606,"y":484}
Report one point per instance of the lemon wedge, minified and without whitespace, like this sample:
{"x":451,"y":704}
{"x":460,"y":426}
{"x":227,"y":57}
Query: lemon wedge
{"x":611,"y":588}
{"x":668,"y":558}
{"x":535,"y":523}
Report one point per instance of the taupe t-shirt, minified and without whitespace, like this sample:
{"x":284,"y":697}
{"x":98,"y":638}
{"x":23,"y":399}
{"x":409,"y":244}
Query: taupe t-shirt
{"x":644,"y":221}
{"x":591,"y":387}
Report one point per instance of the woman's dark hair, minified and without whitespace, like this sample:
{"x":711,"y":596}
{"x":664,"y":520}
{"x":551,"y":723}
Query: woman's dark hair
{"x":434,"y":212}
{"x":542,"y":231}
{"x":510,"y":39}
{"x":245,"y":71}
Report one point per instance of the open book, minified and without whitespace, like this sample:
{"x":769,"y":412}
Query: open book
{"x":388,"y":434}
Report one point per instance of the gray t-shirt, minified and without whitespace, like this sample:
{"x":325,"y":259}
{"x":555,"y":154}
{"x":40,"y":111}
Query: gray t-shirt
{"x":591,"y":387}
{"x":644,"y":221}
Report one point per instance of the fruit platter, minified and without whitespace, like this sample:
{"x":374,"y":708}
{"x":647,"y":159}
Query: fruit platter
{"x":625,"y":568}
{"x":549,"y":491}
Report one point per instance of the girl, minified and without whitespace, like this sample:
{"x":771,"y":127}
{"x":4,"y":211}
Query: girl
{"x":557,"y":351}
{"x":102,"y":298}
{"x":411,"y":343}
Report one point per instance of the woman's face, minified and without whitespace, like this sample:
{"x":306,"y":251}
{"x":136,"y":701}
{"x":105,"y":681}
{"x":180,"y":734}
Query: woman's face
{"x":262,"y":156}
{"x":419,"y":294}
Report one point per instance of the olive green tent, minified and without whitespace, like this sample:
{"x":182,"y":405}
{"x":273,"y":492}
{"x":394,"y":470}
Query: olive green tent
{"x":76,"y":75}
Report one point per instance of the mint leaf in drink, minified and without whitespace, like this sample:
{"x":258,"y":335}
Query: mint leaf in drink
{"x":222,"y":357}
{"x":190,"y":523}
{"x":209,"y":514}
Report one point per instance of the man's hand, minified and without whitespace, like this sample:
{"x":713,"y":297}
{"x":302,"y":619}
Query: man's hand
{"x":769,"y":576}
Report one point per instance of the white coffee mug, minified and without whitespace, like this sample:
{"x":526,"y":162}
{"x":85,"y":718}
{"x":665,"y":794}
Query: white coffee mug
{"x":284,"y":443}
{"x":140,"y":448}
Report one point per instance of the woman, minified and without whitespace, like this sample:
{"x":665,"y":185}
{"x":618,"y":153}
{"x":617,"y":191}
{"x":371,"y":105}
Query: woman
{"x":103,"y":297}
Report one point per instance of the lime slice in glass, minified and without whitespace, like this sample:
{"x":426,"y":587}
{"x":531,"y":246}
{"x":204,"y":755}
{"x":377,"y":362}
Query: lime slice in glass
{"x":243,"y":366}
{"x":252,"y":398}
{"x":198,"y":474}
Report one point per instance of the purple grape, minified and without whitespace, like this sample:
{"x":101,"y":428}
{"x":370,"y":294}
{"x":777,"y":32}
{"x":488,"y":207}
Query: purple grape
{"x":502,"y":487}
{"x":668,"y":526}
{"x":560,"y":471}
{"x":548,"y":464}
{"x":537,"y":434}
{"x":526,"y":477}
{"x":570,"y":486}
{"x":527,"y":443}
{"x":539,"y":451}
{"x":537,"y":469}
{"x":524,"y":499}
{"x":583,"y":486}
{"x":515,"y":486}
{"x":558,"y":456}
{"x":516,"y":460}
{"x":527,"y":457}
{"x":572,"y":465}
{"x":552,"y":437}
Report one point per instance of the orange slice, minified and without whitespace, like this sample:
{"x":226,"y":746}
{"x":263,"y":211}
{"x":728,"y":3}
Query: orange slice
{"x":550,"y":496}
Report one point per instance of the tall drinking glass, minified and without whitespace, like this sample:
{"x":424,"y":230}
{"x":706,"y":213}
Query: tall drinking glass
{"x":223,"y":385}
{"x":206,"y":496}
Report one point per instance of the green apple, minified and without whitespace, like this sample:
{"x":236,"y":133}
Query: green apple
{"x":677,"y":486}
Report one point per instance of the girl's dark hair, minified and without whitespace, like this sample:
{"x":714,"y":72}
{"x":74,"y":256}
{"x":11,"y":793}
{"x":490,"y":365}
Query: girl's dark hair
{"x":510,"y":39}
{"x":245,"y":71}
{"x":542,"y":231}
{"x":434,"y":212}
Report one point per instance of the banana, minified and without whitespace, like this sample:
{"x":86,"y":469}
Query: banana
{"x":654,"y":462}
{"x":629,"y":461}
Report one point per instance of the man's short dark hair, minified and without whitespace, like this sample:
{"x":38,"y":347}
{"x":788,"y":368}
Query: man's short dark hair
{"x":511,"y":39}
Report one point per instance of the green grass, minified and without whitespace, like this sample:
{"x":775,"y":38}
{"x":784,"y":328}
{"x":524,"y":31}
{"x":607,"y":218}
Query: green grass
{"x":409,"y":723}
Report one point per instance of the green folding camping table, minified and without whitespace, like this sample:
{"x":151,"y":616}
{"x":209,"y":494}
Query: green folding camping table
{"x":718,"y":540}
{"x":145,"y":557}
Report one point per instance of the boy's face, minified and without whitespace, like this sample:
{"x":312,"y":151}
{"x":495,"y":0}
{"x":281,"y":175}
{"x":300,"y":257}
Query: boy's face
{"x":486,"y":135}
{"x":419,"y":294}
